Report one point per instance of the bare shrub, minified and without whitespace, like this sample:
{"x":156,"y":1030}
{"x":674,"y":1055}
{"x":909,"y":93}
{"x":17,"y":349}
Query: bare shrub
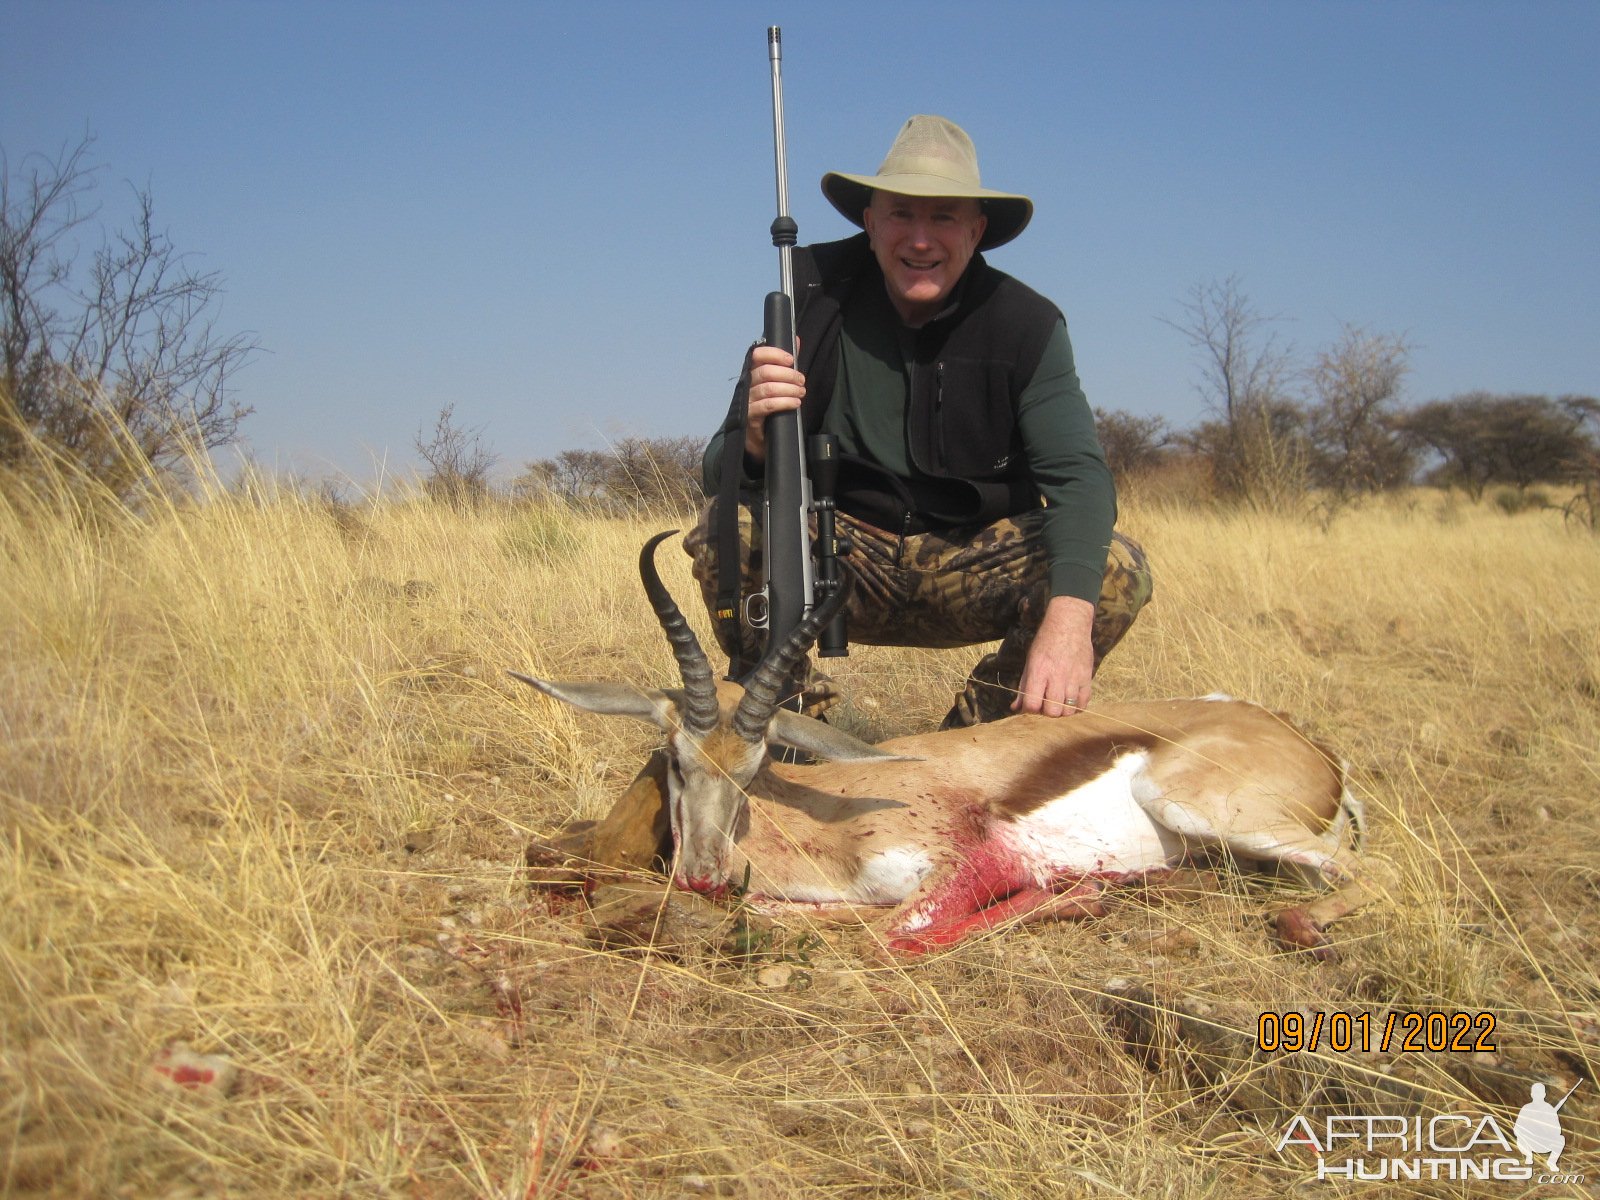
{"x":115,"y":362}
{"x":458,"y":461}
{"x":1256,"y":441}
{"x":657,"y":474}
{"x":1513,"y":501}
{"x":1262,"y":457}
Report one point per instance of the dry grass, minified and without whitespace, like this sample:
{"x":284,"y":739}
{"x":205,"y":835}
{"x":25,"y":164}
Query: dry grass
{"x":264,"y":789}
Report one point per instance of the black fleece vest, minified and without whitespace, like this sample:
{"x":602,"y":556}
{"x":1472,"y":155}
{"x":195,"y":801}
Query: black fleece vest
{"x":968,"y":372}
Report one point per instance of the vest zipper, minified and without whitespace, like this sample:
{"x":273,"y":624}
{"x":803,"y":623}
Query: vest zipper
{"x":938,"y":413}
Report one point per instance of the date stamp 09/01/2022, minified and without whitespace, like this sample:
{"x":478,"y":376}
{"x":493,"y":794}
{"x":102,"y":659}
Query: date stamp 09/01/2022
{"x":1400,"y":1032}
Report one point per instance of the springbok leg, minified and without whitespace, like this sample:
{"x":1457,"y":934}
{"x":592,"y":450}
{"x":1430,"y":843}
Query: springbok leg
{"x":1301,"y":927}
{"x":634,"y":836}
{"x":638,"y":829}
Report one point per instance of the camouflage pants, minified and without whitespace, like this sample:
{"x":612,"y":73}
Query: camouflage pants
{"x":956,"y":587}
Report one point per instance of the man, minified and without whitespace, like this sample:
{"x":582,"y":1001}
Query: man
{"x":1538,"y":1127}
{"x":952,"y":390}
{"x":974,"y":493}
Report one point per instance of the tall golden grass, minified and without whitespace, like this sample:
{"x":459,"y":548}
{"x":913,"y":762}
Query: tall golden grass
{"x":265,"y":788}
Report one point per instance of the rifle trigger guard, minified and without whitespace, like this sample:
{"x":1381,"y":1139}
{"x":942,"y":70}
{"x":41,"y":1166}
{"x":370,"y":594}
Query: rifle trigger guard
{"x":755,"y":610}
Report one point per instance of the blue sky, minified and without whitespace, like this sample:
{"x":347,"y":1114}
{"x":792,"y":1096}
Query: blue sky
{"x":555,"y":216}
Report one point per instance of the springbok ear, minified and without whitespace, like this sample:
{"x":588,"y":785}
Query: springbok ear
{"x":824,"y":741}
{"x":607,"y":699}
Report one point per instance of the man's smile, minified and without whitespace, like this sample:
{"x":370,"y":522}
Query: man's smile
{"x":923,"y":244}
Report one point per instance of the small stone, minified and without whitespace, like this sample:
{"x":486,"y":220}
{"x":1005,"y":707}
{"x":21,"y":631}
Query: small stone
{"x":418,"y":840}
{"x":775,"y":977}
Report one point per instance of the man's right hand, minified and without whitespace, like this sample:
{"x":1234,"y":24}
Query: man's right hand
{"x":775,"y":387}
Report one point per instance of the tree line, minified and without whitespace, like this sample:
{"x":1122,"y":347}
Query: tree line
{"x":1276,"y":429}
{"x":111,"y":361}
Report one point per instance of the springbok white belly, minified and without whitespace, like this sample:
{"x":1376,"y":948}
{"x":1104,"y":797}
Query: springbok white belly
{"x":1096,"y":828}
{"x":889,"y":876}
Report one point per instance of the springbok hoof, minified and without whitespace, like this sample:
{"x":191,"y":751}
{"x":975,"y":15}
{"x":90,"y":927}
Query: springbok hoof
{"x":1297,"y":932}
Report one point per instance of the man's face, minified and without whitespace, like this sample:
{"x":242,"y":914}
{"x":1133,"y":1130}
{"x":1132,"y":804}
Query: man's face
{"x":923,"y":245}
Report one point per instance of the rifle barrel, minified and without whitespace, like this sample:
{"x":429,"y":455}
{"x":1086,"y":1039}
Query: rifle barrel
{"x":784,"y":240}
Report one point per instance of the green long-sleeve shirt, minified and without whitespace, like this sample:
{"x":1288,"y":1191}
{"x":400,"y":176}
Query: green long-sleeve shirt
{"x":868,"y":415}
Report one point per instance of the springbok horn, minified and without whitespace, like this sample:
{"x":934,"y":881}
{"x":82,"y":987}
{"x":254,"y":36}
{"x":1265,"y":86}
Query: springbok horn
{"x":763,"y":692}
{"x":699,"y":685}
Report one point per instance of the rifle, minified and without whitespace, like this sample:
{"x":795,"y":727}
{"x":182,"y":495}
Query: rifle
{"x":795,"y":583}
{"x":1567,"y":1097}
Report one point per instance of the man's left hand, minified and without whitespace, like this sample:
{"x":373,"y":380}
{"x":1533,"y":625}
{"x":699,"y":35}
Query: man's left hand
{"x":1059,"y":672}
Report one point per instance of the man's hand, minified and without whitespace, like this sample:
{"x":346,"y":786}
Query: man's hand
{"x":775,"y":387}
{"x":1057,"y":677}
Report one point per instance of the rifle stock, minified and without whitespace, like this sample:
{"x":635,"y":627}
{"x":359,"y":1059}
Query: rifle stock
{"x":786,"y":536}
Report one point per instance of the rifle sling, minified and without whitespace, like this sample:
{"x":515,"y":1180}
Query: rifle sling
{"x":730,"y":572}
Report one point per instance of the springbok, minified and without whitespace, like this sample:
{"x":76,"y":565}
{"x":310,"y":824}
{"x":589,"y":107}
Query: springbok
{"x":964,"y":829}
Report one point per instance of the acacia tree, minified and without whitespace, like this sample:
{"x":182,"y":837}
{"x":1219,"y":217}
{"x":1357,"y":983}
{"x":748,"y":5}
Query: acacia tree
{"x":1356,"y":385}
{"x":1131,"y":443}
{"x":114,"y":362}
{"x":1482,"y":438}
{"x":576,"y":477}
{"x":635,"y":474}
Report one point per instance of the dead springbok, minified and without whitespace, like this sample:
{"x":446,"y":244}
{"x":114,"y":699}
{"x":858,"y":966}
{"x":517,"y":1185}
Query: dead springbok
{"x":965,"y":829}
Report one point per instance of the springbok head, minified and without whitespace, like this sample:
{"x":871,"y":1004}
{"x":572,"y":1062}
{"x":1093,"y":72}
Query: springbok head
{"x":717,"y":736}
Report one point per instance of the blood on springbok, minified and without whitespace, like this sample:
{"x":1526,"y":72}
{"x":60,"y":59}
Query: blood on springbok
{"x":965,"y":829}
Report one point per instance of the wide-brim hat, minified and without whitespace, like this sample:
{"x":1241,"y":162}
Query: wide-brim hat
{"x":931,"y":157}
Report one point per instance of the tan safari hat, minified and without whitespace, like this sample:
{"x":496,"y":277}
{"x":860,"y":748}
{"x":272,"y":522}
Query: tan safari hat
{"x":931,"y":157}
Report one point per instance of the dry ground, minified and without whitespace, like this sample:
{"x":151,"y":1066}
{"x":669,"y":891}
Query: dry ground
{"x":264,"y":789}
